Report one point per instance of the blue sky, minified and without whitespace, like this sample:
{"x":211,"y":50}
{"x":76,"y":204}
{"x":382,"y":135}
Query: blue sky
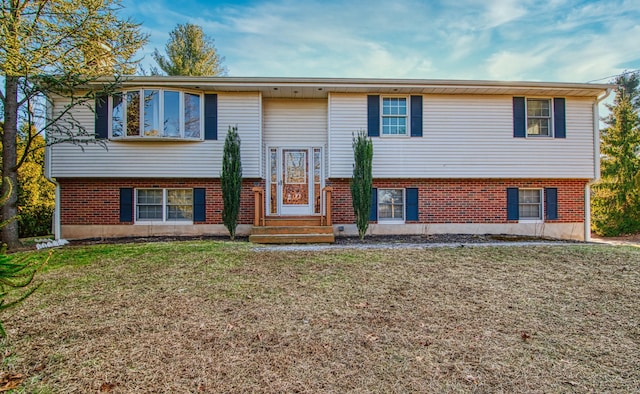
{"x":533,"y":40}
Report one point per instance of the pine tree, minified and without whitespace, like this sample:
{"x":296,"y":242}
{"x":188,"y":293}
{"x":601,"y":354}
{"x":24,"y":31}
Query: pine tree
{"x":362,"y":181}
{"x":190,"y":52}
{"x":231,"y":180}
{"x":616,"y":197}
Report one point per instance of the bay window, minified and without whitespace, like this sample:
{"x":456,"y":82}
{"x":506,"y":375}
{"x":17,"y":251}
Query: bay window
{"x":156,"y":113}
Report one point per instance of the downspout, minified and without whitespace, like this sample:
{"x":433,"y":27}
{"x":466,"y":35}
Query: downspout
{"x":596,"y":165}
{"x":47,"y":174}
{"x":56,"y":209}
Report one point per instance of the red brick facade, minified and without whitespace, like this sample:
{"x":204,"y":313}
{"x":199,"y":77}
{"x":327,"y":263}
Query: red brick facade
{"x":467,"y":200}
{"x":96,"y":201}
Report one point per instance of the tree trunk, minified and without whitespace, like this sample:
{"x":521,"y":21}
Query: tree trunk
{"x":9,"y":160}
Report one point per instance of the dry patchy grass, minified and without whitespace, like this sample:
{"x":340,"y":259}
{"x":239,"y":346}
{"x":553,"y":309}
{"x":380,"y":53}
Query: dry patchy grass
{"x":220,"y":317}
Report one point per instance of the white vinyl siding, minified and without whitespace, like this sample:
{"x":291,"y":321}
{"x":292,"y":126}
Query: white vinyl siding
{"x":179,"y":159}
{"x":347,"y":115}
{"x":464,"y":137}
{"x":295,"y":122}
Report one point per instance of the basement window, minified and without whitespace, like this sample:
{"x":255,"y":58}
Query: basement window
{"x":164,"y":205}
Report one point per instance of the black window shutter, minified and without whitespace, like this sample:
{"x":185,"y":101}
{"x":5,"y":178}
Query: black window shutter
{"x":373,"y":116}
{"x":210,"y":116}
{"x":513,"y":209}
{"x":551,"y":203}
{"x":199,"y":205}
{"x":559,"y":121}
{"x":373,"y":214}
{"x":519,"y":118}
{"x":412,"y":203}
{"x":416,"y":116}
{"x":102,"y":116}
{"x":126,"y":204}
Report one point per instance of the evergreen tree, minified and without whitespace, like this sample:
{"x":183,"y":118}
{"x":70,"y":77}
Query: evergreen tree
{"x":616,"y":197}
{"x":189,"y":52}
{"x":362,"y":181}
{"x":49,"y":48}
{"x":231,"y":181}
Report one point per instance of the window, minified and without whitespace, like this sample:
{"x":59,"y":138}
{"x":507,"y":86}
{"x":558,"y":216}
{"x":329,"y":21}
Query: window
{"x":156,"y":113}
{"x":390,"y":204}
{"x":149,"y":204}
{"x":530,"y":204}
{"x":164,"y":205}
{"x":539,"y":117}
{"x":394,"y":116}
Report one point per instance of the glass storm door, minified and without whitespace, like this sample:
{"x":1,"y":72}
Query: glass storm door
{"x":295,"y":177}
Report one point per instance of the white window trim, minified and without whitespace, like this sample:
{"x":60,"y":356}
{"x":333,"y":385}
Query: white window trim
{"x":164,"y":221}
{"x":407,"y":116}
{"x":404,"y":206}
{"x":551,"y":118}
{"x":532,"y":220}
{"x":141,"y":136}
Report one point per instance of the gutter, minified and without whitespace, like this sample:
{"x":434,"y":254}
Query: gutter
{"x":596,"y":164}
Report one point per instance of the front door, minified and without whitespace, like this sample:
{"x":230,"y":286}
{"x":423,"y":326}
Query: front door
{"x":295,"y":181}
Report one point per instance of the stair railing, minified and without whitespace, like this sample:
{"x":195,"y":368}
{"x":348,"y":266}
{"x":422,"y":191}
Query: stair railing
{"x":326,"y":216}
{"x":259,"y":208}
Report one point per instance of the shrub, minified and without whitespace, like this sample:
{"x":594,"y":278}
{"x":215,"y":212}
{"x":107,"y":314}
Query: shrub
{"x":231,"y":180}
{"x":362,"y":181}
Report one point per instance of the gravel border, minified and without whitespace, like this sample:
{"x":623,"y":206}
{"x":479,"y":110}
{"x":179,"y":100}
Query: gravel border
{"x":380,"y":241}
{"x":420,"y":242}
{"x":370,"y":241}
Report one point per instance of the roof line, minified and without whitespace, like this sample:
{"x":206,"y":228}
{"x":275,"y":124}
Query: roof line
{"x":346,"y":82}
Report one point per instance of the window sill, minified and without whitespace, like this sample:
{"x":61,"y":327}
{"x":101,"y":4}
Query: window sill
{"x":399,"y":136}
{"x":531,"y":221}
{"x":387,"y":221}
{"x":154,"y":139}
{"x":161,"y":223}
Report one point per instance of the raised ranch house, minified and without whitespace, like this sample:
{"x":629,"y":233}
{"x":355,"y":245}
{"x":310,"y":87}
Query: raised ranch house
{"x":470,"y":157}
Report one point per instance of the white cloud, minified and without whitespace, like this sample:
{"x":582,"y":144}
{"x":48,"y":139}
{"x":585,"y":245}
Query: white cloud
{"x":500,"y":12}
{"x":513,"y":66}
{"x":475,"y":39}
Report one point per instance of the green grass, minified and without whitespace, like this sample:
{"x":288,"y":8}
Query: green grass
{"x":222,"y":317}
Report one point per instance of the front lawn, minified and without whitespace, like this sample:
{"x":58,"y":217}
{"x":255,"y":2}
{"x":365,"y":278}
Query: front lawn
{"x":221,"y":317}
